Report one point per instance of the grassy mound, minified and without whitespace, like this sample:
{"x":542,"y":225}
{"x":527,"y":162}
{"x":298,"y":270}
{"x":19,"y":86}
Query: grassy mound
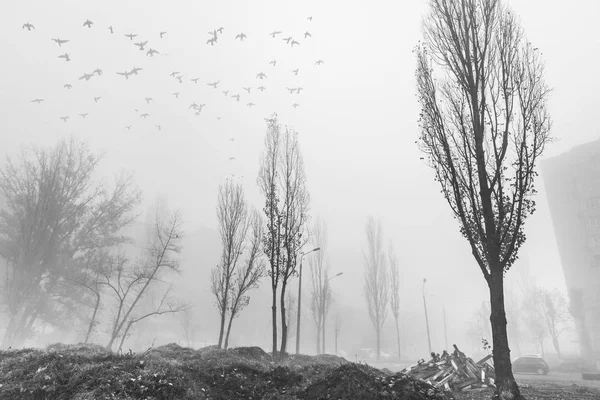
{"x":174,"y":372}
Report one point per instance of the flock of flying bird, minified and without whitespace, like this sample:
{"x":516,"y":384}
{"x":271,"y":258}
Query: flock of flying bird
{"x":213,"y":39}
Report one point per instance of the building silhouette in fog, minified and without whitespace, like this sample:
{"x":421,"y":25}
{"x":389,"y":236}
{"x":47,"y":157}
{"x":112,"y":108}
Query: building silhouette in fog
{"x":572,"y":182}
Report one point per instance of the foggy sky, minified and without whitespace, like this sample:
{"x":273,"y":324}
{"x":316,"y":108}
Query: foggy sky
{"x":357,"y":118}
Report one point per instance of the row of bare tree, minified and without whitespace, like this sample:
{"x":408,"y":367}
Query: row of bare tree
{"x":67,"y":260}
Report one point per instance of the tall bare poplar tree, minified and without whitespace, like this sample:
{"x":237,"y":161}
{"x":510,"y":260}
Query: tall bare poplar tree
{"x":484,"y":124}
{"x":376,"y":288}
{"x":321,"y":290}
{"x":395,"y":293}
{"x":282,"y":181}
{"x":232,"y":215}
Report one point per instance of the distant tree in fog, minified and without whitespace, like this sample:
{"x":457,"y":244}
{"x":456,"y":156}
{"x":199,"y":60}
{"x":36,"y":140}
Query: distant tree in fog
{"x":187,"y":321}
{"x":282,"y":181}
{"x":321,"y":290}
{"x":56,"y":217}
{"x":232,"y":216}
{"x":376,"y":289}
{"x":130,"y":281}
{"x":395,"y":293}
{"x":534,"y":318}
{"x":337,"y":328}
{"x":484,"y":123}
{"x":248,"y":274}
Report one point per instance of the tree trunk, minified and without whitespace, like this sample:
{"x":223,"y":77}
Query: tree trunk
{"x":336,"y":342}
{"x":318,"y":339}
{"x":124,"y":336}
{"x":398,"y":339}
{"x":228,"y":331}
{"x":284,"y":326}
{"x":378,"y":333}
{"x":323,"y":332}
{"x":556,"y":345}
{"x":93,"y":320}
{"x":274,"y":318}
{"x":223,"y":316}
{"x":506,"y":386}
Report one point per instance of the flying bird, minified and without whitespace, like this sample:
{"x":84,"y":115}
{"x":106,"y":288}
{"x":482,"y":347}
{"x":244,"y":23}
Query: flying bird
{"x":291,"y":90}
{"x":125,"y":74}
{"x":295,"y":105}
{"x":307,"y":34}
{"x":247,"y":89}
{"x":298,"y":89}
{"x":236,"y":97}
{"x":134,"y":71}
{"x":86,"y":76}
{"x":225,"y":92}
{"x":295,"y":71}
{"x":218,"y":118}
{"x":231,"y":158}
{"x":295,"y":42}
{"x":212,"y":41}
{"x":141,"y":45}
{"x":88,"y":23}
{"x":148,"y":100}
{"x":97,"y":71}
{"x":250,"y":105}
{"x":65,"y":56}
{"x":68,"y":86}
{"x":128,"y":127}
{"x":319,"y":62}
{"x":144,"y":115}
{"x":213,"y":84}
{"x":83,"y":115}
{"x":162,"y":33}
{"x":241,"y":36}
{"x":231,"y":139}
{"x":152,"y":52}
{"x":261,"y":75}
{"x":288,"y":39}
{"x":158,"y":127}
{"x":309,"y":18}
{"x":261,"y":88}
{"x":194,"y":106}
{"x":179,"y":78}
{"x":110,"y":28}
{"x":274,"y":33}
{"x":273,"y":62}
{"x":176,"y":94}
{"x":96,"y":99}
{"x":220,"y":30}
{"x":37,"y":101}
{"x":175,"y":73}
{"x":60,"y":42}
{"x":195,"y":80}
{"x":64,"y":118}
{"x":28,"y":26}
{"x":130,"y":35}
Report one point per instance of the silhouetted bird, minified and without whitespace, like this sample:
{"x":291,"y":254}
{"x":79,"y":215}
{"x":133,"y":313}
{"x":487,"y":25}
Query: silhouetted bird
{"x":158,"y":127}
{"x":64,"y":118}
{"x":68,"y":86}
{"x":28,"y":26}
{"x":96,"y":99}
{"x":212,"y":41}
{"x":144,"y":115}
{"x":83,"y":115}
{"x":176,"y":94}
{"x":148,"y":100}
{"x":213,"y":84}
{"x":225,"y":92}
{"x":241,"y":36}
{"x":291,"y":90}
{"x":195,"y":80}
{"x":295,"y":105}
{"x":295,"y":42}
{"x":65,"y":56}
{"x":261,"y":75}
{"x":218,"y":118}
{"x":88,"y":23}
{"x":110,"y":28}
{"x":319,"y":62}
{"x":261,"y":88}
{"x":130,"y":35}
{"x":295,"y":71}
{"x":231,"y":139}
{"x":288,"y":39}
{"x":135,"y":70}
{"x":179,"y":78}
{"x":236,"y":97}
{"x":298,"y":89}
{"x":151,"y":52}
{"x":125,"y":74}
{"x":275,"y":33}
{"x":309,"y":18}
{"x":60,"y":42}
{"x":141,"y":45}
{"x":247,"y":89}
{"x":250,"y":105}
{"x":175,"y":73}
{"x":220,"y":30}
{"x":37,"y":101}
{"x":273,"y":62}
{"x":162,"y":33}
{"x":128,"y":127}
{"x":87,"y":77}
{"x":98,"y":71}
{"x":231,"y":158}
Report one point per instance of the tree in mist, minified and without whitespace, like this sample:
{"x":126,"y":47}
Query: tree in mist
{"x":188,"y":326}
{"x":337,"y":328}
{"x":320,"y":299}
{"x":55,"y":216}
{"x":282,"y":181}
{"x":232,"y":216}
{"x":376,"y":289}
{"x":484,"y":124}
{"x":129,"y":282}
{"x":395,"y":293}
{"x":534,"y":318}
{"x":249,"y":273}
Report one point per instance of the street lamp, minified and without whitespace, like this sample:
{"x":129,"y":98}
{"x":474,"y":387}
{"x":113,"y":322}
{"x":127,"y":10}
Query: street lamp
{"x":426,"y":317}
{"x":331,"y":277}
{"x":300,"y":300}
{"x":323,"y":310}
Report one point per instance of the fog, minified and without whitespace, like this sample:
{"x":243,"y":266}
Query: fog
{"x":357,"y":126}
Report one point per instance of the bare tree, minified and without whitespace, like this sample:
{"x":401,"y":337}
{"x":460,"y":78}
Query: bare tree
{"x":130,"y":282}
{"x":534,"y":317}
{"x":248,"y":274}
{"x":376,"y":280}
{"x":186,"y":319}
{"x":484,"y":123}
{"x":55,"y":215}
{"x":232,"y":215}
{"x":337,"y":328}
{"x":395,"y":293}
{"x":321,"y":290}
{"x":282,"y":181}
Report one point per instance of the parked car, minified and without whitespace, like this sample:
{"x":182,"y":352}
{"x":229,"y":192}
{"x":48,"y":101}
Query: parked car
{"x":530,"y":364}
{"x":576,"y":364}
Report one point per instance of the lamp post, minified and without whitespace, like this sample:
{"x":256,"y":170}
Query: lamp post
{"x":426,"y":317}
{"x":300,"y":300}
{"x":323,"y":310}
